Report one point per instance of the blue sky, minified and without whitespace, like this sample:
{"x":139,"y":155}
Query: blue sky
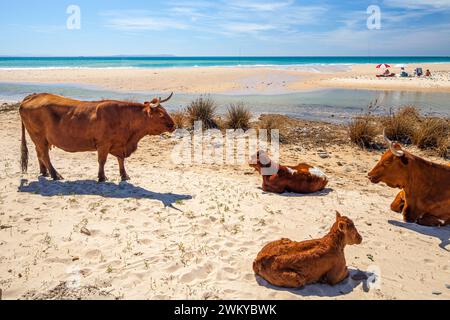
{"x":233,"y":27}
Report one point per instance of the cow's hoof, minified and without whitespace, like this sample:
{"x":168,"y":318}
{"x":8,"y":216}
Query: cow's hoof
{"x":103,"y":179}
{"x":45,"y":175}
{"x":57,"y":177}
{"x":126,"y":178}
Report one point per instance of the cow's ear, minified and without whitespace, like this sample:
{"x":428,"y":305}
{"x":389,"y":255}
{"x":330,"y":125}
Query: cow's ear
{"x":338,"y":215}
{"x":147,"y":108}
{"x":341,"y":226}
{"x":396,"y":149}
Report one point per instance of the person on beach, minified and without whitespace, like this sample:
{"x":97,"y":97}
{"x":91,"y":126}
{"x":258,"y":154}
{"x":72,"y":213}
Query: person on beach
{"x":428,"y":73}
{"x":403,"y":73}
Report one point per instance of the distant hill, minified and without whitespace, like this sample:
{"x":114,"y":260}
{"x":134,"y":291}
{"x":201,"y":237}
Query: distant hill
{"x":145,"y":56}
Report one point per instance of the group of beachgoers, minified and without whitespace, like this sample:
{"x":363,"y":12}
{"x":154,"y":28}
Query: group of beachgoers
{"x":418,"y":72}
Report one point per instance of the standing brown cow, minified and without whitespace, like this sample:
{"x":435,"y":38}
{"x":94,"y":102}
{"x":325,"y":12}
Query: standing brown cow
{"x":108,"y":127}
{"x":426,"y":185}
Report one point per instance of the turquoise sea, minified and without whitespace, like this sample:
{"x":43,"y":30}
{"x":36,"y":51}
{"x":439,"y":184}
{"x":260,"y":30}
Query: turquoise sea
{"x":167,"y":62}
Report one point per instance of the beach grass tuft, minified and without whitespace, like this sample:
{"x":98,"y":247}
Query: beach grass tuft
{"x":433,"y":133}
{"x":238,"y":116}
{"x":362,"y":131}
{"x":203,"y":109}
{"x":179,"y":118}
{"x":406,"y":126}
{"x":401,"y":125}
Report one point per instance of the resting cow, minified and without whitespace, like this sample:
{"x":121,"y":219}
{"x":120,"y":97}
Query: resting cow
{"x":302,"y":178}
{"x":426,"y":185}
{"x":108,"y":127}
{"x":291,"y":264}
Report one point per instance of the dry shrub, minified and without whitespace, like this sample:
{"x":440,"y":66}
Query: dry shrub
{"x":402,"y":125}
{"x":179,"y":118}
{"x":443,"y":148}
{"x":238,"y":117}
{"x":202,"y":109}
{"x":271,"y":122}
{"x":6,"y":107}
{"x":362,"y":131}
{"x":432,"y":133}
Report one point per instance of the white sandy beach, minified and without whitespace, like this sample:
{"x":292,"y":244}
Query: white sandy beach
{"x":245,"y":80}
{"x":192,"y":232}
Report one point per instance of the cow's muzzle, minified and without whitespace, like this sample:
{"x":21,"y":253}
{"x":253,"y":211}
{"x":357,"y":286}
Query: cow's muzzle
{"x":374,"y":179}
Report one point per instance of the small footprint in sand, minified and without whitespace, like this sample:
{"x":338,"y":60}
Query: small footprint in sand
{"x":93,"y":254}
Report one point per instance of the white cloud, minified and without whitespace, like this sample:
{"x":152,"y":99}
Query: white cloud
{"x":261,"y":6}
{"x":135,"y":24}
{"x":247,"y":27}
{"x":140,"y":20}
{"x":418,"y":4}
{"x":255,"y":18}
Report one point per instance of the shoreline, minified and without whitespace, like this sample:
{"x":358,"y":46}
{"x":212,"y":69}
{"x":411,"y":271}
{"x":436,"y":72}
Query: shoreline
{"x":226,"y":80}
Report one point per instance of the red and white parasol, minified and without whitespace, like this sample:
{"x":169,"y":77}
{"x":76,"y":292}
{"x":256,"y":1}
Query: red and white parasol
{"x":383,"y":65}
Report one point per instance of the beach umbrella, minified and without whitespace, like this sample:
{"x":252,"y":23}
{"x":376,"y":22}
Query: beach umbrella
{"x":383,"y":65}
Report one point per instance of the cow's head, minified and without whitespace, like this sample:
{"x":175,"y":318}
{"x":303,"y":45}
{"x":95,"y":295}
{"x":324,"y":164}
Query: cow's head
{"x":260,"y":160}
{"x":346,"y":226}
{"x":159,"y":120}
{"x":392,"y":168}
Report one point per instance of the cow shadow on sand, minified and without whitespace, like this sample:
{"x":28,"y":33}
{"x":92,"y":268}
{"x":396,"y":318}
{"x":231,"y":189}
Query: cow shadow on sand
{"x":442,"y":233}
{"x":356,"y":278}
{"x":321,"y":193}
{"x":123,"y":190}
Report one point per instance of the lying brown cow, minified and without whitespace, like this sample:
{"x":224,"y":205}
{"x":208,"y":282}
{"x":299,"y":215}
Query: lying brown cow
{"x":426,"y":186}
{"x":302,"y":178}
{"x":108,"y":127}
{"x":291,"y":264}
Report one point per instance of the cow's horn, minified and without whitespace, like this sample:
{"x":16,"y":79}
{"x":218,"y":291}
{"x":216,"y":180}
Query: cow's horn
{"x":386,"y":138}
{"x":396,"y":152}
{"x":167,"y":99}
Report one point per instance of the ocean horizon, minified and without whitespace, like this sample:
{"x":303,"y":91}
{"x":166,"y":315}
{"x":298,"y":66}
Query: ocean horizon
{"x":11,"y":62}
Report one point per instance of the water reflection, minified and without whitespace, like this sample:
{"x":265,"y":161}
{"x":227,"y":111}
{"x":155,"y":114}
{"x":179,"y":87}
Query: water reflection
{"x":333,"y":105}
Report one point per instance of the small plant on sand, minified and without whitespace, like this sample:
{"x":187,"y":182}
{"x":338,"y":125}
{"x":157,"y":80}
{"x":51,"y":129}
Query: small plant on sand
{"x":238,"y":117}
{"x":179,"y":118}
{"x":183,"y":254}
{"x":202,"y":109}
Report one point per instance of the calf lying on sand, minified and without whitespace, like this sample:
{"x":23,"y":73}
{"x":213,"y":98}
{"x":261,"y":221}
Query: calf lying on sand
{"x":291,"y":264}
{"x":302,"y":178}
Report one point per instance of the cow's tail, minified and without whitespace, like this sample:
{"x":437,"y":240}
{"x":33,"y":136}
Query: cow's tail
{"x":24,"y":151}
